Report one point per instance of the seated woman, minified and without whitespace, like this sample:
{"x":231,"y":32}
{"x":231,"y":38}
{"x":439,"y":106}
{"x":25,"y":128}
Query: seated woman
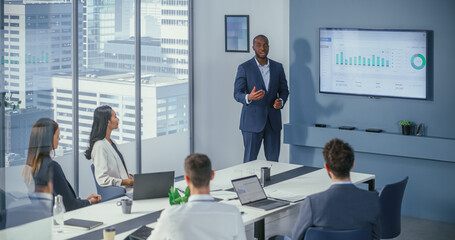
{"x":44,"y":139}
{"x":110,"y":167}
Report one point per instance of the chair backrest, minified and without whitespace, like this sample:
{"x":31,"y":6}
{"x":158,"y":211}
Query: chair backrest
{"x":314,"y":233}
{"x":2,"y":219}
{"x":390,"y":199}
{"x":109,"y":192}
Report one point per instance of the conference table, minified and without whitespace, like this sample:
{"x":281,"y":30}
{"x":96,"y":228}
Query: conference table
{"x":288,"y":181}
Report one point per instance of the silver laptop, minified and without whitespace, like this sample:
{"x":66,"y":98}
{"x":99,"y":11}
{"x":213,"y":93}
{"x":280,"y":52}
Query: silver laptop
{"x":152,"y":185}
{"x":251,"y":194}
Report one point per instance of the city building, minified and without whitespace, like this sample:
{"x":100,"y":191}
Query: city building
{"x":37,"y":43}
{"x":164,"y":105}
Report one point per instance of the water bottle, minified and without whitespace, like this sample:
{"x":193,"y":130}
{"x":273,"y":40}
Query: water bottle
{"x":58,"y":211}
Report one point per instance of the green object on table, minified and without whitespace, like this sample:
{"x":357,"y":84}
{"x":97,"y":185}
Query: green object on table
{"x":175,"y":198}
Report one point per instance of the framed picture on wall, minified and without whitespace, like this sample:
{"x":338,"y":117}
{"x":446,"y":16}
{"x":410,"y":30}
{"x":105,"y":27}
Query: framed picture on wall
{"x":237,"y":33}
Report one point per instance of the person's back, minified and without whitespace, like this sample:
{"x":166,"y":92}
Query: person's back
{"x":40,"y":207}
{"x":202,"y":218}
{"x":343,"y":206}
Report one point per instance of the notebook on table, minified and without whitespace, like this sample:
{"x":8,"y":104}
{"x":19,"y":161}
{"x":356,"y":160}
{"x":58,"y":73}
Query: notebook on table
{"x":152,"y":185}
{"x":251,"y":194}
{"x":82,"y":224}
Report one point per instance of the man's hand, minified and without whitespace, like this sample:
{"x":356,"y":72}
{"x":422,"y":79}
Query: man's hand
{"x":278,"y":104}
{"x":256,"y":95}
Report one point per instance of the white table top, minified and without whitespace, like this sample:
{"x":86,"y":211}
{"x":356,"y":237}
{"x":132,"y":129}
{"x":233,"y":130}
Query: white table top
{"x":109,"y":213}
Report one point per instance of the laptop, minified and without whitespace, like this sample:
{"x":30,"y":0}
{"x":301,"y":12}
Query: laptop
{"x":152,"y":185}
{"x":251,"y":194}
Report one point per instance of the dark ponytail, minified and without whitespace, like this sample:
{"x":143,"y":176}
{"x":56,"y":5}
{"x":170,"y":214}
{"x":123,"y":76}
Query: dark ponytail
{"x":101,"y":118}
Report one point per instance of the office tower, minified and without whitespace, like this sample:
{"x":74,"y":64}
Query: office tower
{"x":174,"y":36}
{"x":98,"y":27}
{"x":37,"y":43}
{"x":18,"y":126}
{"x":119,"y":56}
{"x":164,"y":105}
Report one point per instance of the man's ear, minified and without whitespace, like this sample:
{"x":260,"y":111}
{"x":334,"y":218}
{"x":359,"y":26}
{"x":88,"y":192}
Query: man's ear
{"x":187,"y":179}
{"x":326,"y":167}
{"x":213,"y":175}
{"x":352,"y":165}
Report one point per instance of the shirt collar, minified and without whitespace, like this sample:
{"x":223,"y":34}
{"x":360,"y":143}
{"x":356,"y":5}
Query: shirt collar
{"x":259,"y":65}
{"x":341,"y":182}
{"x":40,"y":195}
{"x":199,"y":197}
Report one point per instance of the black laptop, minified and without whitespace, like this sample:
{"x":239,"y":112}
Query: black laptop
{"x":251,"y":194}
{"x":152,"y":185}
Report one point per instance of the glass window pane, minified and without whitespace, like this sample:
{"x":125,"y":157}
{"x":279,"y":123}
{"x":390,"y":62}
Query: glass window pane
{"x":165,"y":89}
{"x":39,"y":55}
{"x":106,"y":82}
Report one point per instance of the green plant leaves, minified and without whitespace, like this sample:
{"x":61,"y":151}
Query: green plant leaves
{"x":175,"y":198}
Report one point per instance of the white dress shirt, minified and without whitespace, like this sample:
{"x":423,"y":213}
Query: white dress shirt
{"x":200,"y":218}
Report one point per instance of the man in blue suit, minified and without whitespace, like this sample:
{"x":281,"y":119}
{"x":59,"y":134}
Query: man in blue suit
{"x":343,"y":206}
{"x":261,"y":86}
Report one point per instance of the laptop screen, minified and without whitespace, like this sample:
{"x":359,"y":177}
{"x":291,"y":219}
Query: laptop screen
{"x":152,"y":185}
{"x":248,"y":189}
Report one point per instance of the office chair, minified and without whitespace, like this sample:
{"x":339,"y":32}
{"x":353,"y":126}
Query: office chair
{"x":390,"y":198}
{"x":314,"y":233}
{"x":109,"y":192}
{"x":2,"y":219}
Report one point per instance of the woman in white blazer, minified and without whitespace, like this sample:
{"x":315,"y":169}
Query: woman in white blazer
{"x":110,"y":167}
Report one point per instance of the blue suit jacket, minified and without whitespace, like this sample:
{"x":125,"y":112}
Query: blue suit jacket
{"x":341,"y":207}
{"x":63,"y":187}
{"x":254,"y":115}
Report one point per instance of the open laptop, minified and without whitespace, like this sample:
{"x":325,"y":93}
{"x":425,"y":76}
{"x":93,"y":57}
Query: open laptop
{"x":251,"y":194}
{"x":152,"y":185}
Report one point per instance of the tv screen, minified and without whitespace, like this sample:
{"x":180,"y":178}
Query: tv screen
{"x":372,"y":62}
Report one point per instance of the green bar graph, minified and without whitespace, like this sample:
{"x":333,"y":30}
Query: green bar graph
{"x":359,"y":60}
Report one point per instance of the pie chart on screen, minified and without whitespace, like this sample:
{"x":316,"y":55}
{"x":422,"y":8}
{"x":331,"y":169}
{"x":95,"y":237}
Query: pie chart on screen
{"x":418,"y":61}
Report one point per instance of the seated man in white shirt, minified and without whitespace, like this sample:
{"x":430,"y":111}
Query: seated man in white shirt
{"x":201,"y":217}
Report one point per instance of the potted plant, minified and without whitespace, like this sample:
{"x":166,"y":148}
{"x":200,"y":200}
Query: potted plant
{"x":405,"y":127}
{"x":175,"y":198}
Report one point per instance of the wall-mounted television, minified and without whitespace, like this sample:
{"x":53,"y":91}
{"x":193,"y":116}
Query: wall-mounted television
{"x":373,"y":62}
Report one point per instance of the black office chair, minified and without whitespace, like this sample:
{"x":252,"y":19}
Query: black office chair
{"x":2,"y":219}
{"x":390,"y":198}
{"x":2,"y":211}
{"x":109,"y":192}
{"x":314,"y":233}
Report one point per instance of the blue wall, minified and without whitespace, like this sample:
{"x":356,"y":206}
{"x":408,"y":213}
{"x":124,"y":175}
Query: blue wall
{"x":430,"y":193}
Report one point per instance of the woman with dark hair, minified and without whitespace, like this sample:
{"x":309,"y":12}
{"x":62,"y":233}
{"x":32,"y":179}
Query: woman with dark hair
{"x":44,"y":138}
{"x":110,"y":167}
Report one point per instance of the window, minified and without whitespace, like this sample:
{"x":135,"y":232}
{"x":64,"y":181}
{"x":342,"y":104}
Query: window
{"x":38,"y":71}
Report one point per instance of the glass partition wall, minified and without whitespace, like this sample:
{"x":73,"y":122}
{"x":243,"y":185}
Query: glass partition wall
{"x":38,"y":78}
